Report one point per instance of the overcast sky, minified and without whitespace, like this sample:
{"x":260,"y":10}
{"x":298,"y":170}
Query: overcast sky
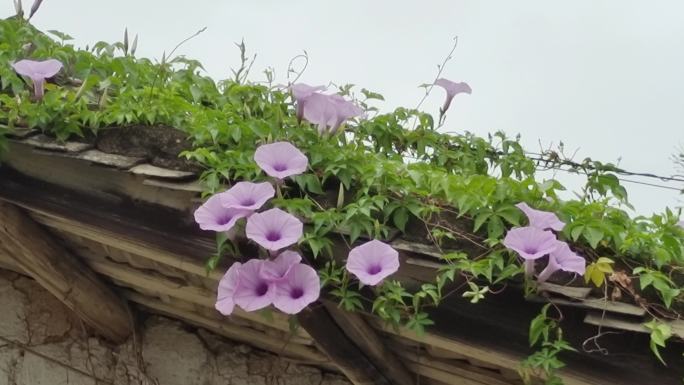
{"x":604,"y":77}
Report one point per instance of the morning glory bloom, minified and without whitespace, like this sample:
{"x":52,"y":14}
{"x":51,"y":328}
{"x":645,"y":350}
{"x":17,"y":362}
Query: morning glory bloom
{"x":300,"y":287}
{"x":372,"y":262}
{"x":321,"y":111}
{"x":328,"y":112}
{"x":530,"y":242}
{"x":212,"y":215}
{"x":247,"y":195}
{"x":277,"y":269}
{"x":253,"y":291}
{"x":563,"y":258}
{"x":452,"y":89}
{"x":542,"y":220}
{"x":38,"y":71}
{"x":281,"y":159}
{"x":345,"y":110}
{"x":274,"y":229}
{"x":226,"y":289}
{"x":301,"y":92}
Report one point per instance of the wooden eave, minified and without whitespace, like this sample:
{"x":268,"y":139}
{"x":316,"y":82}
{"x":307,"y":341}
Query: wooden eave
{"x":131,"y":223}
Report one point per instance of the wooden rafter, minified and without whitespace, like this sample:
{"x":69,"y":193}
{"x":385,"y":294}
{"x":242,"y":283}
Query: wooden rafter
{"x":370,"y":343}
{"x":339,"y":348}
{"x":37,"y":253}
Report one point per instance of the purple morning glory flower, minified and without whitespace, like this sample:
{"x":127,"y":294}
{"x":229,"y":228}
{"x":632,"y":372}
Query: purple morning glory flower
{"x":345,"y":110}
{"x":452,"y":89}
{"x":300,"y":287}
{"x":277,"y":269}
{"x":321,"y":111}
{"x":301,"y":92}
{"x":38,"y":71}
{"x":274,"y":229}
{"x":281,"y":159}
{"x":563,"y":258}
{"x":372,"y":262}
{"x":542,"y":220}
{"x":530,"y":242}
{"x":226,"y":290}
{"x":213,"y":216}
{"x":253,"y":291}
{"x":328,"y":112}
{"x":247,"y":195}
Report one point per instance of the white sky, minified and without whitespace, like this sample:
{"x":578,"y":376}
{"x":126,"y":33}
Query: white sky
{"x":602,"y":76}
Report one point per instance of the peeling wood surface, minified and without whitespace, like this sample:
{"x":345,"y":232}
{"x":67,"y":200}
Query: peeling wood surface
{"x":46,"y":143}
{"x":192,"y":186}
{"x":614,"y":322}
{"x":566,"y":291}
{"x":413,"y":247}
{"x":103,"y":182}
{"x":21,"y":132}
{"x":111,"y":160}
{"x":158,"y":172}
{"x":597,"y":304}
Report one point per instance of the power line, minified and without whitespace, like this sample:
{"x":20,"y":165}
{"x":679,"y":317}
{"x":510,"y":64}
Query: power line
{"x":584,"y":166}
{"x":555,"y":162}
{"x":549,"y":168}
{"x":652,"y":184}
{"x":619,"y":178}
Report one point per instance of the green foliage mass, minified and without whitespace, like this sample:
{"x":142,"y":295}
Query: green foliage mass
{"x":391,"y":172}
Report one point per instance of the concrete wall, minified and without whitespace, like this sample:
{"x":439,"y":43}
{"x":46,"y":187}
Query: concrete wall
{"x":42,"y":343}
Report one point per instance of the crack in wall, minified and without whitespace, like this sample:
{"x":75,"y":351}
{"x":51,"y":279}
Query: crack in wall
{"x":41,"y":341}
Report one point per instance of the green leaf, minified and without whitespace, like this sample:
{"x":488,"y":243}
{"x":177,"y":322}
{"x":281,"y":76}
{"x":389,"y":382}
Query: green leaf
{"x":511,"y":215}
{"x":371,"y":95}
{"x":576,"y":232}
{"x":221,"y":238}
{"x":669,"y":294}
{"x":480,"y":219}
{"x":539,"y":326}
{"x":309,"y":183}
{"x":212,"y":263}
{"x":593,"y":235}
{"x":400,"y":217}
{"x":495,"y":227}
{"x":60,"y":35}
{"x":196,"y":92}
{"x":596,"y":271}
{"x":660,"y":333}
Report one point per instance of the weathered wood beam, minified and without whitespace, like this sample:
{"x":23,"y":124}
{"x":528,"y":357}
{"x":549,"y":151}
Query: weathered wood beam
{"x":308,"y":354}
{"x":368,"y":341}
{"x":153,"y":282}
{"x":461,"y":371}
{"x":494,"y":357}
{"x":37,"y":253}
{"x":7,"y":263}
{"x":342,"y":351}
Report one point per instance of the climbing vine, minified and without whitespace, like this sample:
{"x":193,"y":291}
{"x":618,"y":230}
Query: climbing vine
{"x":375,"y":178}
